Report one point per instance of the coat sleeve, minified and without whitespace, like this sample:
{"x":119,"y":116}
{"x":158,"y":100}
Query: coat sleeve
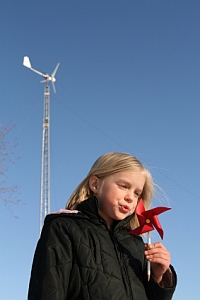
{"x":156,"y":292}
{"x":51,"y":264}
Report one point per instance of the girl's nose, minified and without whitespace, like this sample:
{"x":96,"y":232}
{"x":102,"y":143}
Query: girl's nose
{"x":129,"y":198}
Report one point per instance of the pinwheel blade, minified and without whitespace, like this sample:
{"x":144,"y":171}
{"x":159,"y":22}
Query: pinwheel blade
{"x":148,"y":219}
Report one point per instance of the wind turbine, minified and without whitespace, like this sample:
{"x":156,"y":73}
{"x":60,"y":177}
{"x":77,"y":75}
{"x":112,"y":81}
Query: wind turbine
{"x":26,"y":63}
{"x":45,"y":168}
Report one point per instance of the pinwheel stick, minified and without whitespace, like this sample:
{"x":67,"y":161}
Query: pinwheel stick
{"x":148,"y":262}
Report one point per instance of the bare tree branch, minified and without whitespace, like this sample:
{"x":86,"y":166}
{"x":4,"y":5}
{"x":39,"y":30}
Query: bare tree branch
{"x":7,"y":193}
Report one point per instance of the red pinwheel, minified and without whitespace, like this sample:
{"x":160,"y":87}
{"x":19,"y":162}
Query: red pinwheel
{"x":148,"y":219}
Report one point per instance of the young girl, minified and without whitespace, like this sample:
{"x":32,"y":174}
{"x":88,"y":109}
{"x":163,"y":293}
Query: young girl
{"x":86,"y":251}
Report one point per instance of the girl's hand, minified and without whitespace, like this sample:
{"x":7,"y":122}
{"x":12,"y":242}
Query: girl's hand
{"x":159,"y":258}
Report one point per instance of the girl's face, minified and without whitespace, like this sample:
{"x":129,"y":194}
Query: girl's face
{"x":117,"y":194}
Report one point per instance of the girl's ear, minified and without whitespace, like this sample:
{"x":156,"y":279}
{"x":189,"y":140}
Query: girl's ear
{"x":93,"y":183}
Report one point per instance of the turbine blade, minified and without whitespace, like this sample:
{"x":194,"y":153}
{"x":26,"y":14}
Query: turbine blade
{"x":54,"y":72}
{"x":54,"y":88}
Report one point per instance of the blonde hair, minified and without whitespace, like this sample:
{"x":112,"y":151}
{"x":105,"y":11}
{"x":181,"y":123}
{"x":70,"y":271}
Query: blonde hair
{"x":106,"y":165}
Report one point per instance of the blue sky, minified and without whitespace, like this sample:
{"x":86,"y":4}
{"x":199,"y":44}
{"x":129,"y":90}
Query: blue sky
{"x":129,"y":80}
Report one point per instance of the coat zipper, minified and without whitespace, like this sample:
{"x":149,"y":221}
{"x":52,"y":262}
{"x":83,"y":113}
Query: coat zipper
{"x":120,"y":258}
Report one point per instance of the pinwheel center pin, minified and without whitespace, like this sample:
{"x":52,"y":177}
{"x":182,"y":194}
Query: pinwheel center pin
{"x":148,"y":221}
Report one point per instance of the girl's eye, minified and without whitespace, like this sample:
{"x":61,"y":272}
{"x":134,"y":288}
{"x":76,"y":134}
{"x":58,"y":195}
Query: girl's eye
{"x":123,"y":186}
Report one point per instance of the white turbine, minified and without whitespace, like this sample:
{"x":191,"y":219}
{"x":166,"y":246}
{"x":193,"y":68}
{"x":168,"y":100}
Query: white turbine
{"x":45,"y":167}
{"x":26,"y":63}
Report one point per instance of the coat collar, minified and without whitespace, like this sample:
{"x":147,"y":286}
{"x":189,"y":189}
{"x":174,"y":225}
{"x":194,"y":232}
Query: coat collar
{"x":89,"y":208}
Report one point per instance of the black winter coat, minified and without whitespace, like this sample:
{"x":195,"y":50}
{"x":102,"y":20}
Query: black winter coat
{"x":79,"y":258}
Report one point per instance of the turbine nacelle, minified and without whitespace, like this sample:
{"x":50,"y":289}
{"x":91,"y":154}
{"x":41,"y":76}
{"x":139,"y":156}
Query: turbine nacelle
{"x":27,"y":63}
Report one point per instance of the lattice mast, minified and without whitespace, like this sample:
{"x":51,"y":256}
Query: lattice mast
{"x":45,"y":168}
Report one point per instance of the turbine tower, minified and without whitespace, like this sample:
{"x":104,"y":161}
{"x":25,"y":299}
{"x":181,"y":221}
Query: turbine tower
{"x":45,"y":168}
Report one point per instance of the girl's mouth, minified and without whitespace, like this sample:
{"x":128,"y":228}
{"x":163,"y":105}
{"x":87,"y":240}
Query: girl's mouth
{"x":124,"y":208}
